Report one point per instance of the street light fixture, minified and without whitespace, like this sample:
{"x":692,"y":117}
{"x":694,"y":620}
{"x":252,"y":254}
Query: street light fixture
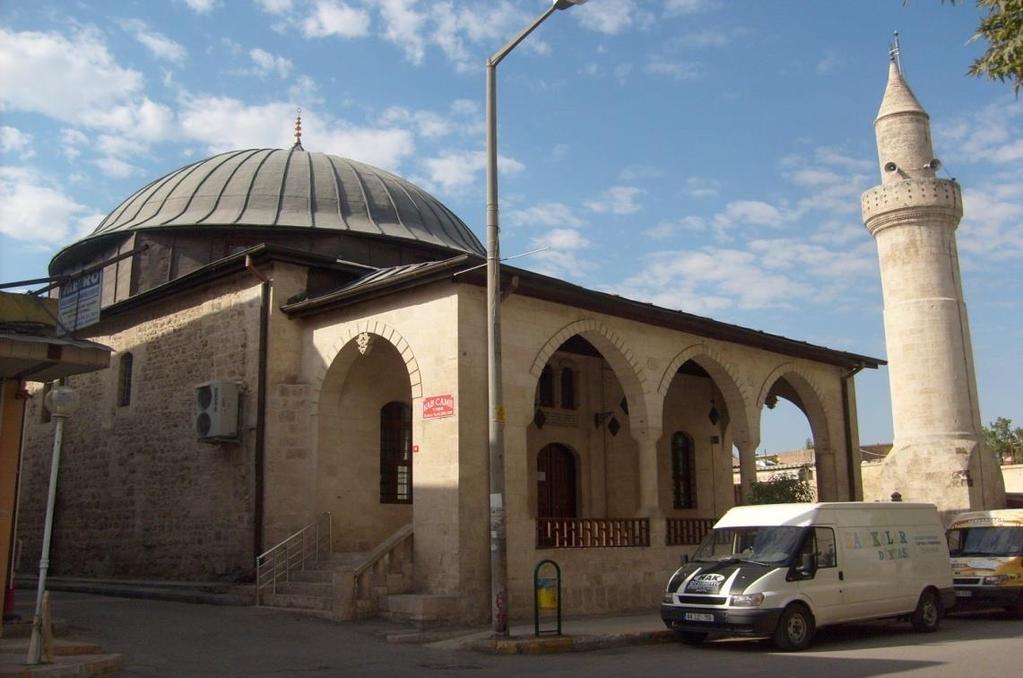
{"x":495,"y":395}
{"x":61,"y":401}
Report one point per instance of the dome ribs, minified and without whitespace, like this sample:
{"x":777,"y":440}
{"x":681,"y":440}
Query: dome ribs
{"x":266,"y":188}
{"x":181,"y":174}
{"x":337,"y":188}
{"x":226,"y":157}
{"x":252,"y":180}
{"x":227,"y":182}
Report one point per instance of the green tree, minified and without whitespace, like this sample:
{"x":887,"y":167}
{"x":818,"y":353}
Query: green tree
{"x":1002,"y":28}
{"x":782,"y":488}
{"x":1004,"y":440}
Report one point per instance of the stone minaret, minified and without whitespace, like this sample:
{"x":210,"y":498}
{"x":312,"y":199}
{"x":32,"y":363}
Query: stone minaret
{"x":939,"y":454}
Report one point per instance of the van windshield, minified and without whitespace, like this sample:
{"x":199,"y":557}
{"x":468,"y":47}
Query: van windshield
{"x":985,"y":541}
{"x":768,"y":545}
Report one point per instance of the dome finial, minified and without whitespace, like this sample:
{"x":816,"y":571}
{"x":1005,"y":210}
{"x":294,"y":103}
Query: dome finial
{"x":894,"y":52}
{"x":298,"y":131}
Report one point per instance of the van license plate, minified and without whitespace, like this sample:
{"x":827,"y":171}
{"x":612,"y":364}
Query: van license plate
{"x":698,"y":616}
{"x":964,"y":594}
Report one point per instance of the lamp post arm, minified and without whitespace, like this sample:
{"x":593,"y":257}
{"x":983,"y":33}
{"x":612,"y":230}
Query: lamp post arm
{"x":500,"y":54}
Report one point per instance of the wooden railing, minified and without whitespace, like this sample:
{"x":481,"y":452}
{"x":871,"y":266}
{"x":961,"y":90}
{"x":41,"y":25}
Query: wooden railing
{"x":591,"y":533}
{"x":686,"y":531}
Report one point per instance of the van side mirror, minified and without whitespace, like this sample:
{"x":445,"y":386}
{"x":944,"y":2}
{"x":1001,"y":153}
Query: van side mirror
{"x":683,"y":559}
{"x":807,"y":565}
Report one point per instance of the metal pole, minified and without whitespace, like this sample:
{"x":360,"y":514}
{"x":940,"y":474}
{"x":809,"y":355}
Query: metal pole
{"x":495,"y":394}
{"x":35,"y":647}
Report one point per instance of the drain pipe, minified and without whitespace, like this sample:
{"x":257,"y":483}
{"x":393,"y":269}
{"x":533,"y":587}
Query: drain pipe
{"x":850,"y":459}
{"x":259,"y":454}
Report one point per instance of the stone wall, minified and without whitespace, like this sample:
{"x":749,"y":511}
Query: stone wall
{"x":138,"y":495}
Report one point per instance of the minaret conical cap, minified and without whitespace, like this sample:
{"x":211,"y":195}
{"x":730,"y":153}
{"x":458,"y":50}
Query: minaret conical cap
{"x":898,"y":98}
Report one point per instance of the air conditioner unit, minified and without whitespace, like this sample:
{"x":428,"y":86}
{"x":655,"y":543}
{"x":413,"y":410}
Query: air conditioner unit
{"x":216,"y":411}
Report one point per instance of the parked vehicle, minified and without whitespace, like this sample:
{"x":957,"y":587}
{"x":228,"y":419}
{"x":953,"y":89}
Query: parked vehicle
{"x":987,"y":559}
{"x":784,"y":570}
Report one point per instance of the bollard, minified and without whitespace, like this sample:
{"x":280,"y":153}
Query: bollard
{"x":546,"y":595}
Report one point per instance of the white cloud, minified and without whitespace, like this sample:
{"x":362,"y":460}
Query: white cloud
{"x":426,"y":123}
{"x":266,"y":63}
{"x":544,"y":214}
{"x":453,"y":170}
{"x":617,"y":200}
{"x":45,"y":72}
{"x":752,"y":212}
{"x":827,"y":64}
{"x":70,"y":140}
{"x":680,"y":70}
{"x":116,"y":167}
{"x":13,"y":140}
{"x":224,"y":123}
{"x":159,"y":45}
{"x":35,"y":210}
{"x":560,"y":256}
{"x":670,"y":229}
{"x":611,"y":16}
{"x":403,"y":27}
{"x":992,"y":226}
{"x":675,"y":7}
{"x":276,"y":6}
{"x":990,"y":135}
{"x":201,"y":6}
{"x":702,"y":187}
{"x":332,"y":17}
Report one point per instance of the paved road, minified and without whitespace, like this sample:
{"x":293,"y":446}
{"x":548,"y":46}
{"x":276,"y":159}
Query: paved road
{"x":161,"y":638}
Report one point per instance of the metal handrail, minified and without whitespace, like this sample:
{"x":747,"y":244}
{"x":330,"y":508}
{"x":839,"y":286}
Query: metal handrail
{"x":293,"y":553}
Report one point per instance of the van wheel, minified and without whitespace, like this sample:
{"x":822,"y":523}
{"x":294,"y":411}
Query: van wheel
{"x":927,"y":615}
{"x":1016,"y":609}
{"x":691,"y":637}
{"x":795,"y":629}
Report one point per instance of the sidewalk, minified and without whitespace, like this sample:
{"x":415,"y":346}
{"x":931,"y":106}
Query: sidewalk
{"x":70,"y":658}
{"x":577,"y":635}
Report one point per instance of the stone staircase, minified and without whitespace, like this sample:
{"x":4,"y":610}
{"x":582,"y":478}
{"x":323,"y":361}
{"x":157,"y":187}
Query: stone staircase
{"x":351,"y":586}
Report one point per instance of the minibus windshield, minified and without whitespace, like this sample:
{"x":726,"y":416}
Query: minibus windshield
{"x":767,"y":545}
{"x":985,"y":541}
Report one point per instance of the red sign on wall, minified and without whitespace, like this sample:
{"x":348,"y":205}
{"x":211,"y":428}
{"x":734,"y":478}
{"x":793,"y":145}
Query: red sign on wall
{"x":438,"y":406}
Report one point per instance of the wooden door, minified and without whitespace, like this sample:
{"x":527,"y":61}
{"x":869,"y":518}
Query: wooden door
{"x":555,"y":482}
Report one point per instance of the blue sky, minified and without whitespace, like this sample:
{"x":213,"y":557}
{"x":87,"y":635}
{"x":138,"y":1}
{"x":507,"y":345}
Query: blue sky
{"x":698,"y":154}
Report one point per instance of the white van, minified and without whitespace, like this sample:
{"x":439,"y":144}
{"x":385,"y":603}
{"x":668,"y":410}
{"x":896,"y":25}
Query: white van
{"x":987,"y":559}
{"x":783,"y":570}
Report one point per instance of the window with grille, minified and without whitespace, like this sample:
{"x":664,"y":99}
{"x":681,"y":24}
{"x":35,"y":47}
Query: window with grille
{"x":683,"y":471}
{"x":567,"y":388}
{"x":124,"y":381}
{"x":396,"y":453}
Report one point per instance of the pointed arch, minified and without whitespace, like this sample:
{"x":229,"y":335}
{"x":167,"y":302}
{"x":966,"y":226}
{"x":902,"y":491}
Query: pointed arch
{"x":725,"y":375}
{"x":384,"y":332}
{"x":614,"y":350}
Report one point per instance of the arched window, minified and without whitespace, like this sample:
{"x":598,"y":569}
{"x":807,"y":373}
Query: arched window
{"x":683,"y":471}
{"x":568,"y":388}
{"x":124,"y":381}
{"x":545,"y":389}
{"x":396,"y":453}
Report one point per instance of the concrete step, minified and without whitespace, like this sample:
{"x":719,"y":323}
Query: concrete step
{"x":420,"y":609}
{"x":299,"y":588}
{"x":298,"y":602}
{"x":313,"y":576}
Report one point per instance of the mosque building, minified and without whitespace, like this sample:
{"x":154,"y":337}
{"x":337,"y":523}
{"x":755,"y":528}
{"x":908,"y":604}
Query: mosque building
{"x":299,"y":348}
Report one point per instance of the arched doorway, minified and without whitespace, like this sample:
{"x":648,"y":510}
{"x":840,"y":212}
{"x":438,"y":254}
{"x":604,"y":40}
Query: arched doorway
{"x":556,"y":489}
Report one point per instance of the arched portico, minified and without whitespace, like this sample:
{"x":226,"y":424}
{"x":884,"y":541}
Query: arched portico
{"x":364,"y":442}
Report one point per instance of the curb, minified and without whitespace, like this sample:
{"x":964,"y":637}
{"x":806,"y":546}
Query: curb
{"x":555,"y":644}
{"x":181,"y":594}
{"x":90,"y":665}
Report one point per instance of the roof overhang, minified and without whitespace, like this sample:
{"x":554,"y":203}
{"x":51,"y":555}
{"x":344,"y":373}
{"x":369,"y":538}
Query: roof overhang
{"x":470,"y":269}
{"x":40,"y":358}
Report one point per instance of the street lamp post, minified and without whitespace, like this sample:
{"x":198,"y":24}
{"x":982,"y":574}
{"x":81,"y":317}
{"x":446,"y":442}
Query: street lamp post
{"x":61,"y":401}
{"x":495,"y":395}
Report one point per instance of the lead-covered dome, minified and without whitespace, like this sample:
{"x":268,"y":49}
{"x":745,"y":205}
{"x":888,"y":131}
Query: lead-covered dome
{"x":275,"y":188}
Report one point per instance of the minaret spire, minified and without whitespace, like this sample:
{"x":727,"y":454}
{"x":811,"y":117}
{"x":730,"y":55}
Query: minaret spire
{"x":298,"y":131}
{"x":894,"y":53}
